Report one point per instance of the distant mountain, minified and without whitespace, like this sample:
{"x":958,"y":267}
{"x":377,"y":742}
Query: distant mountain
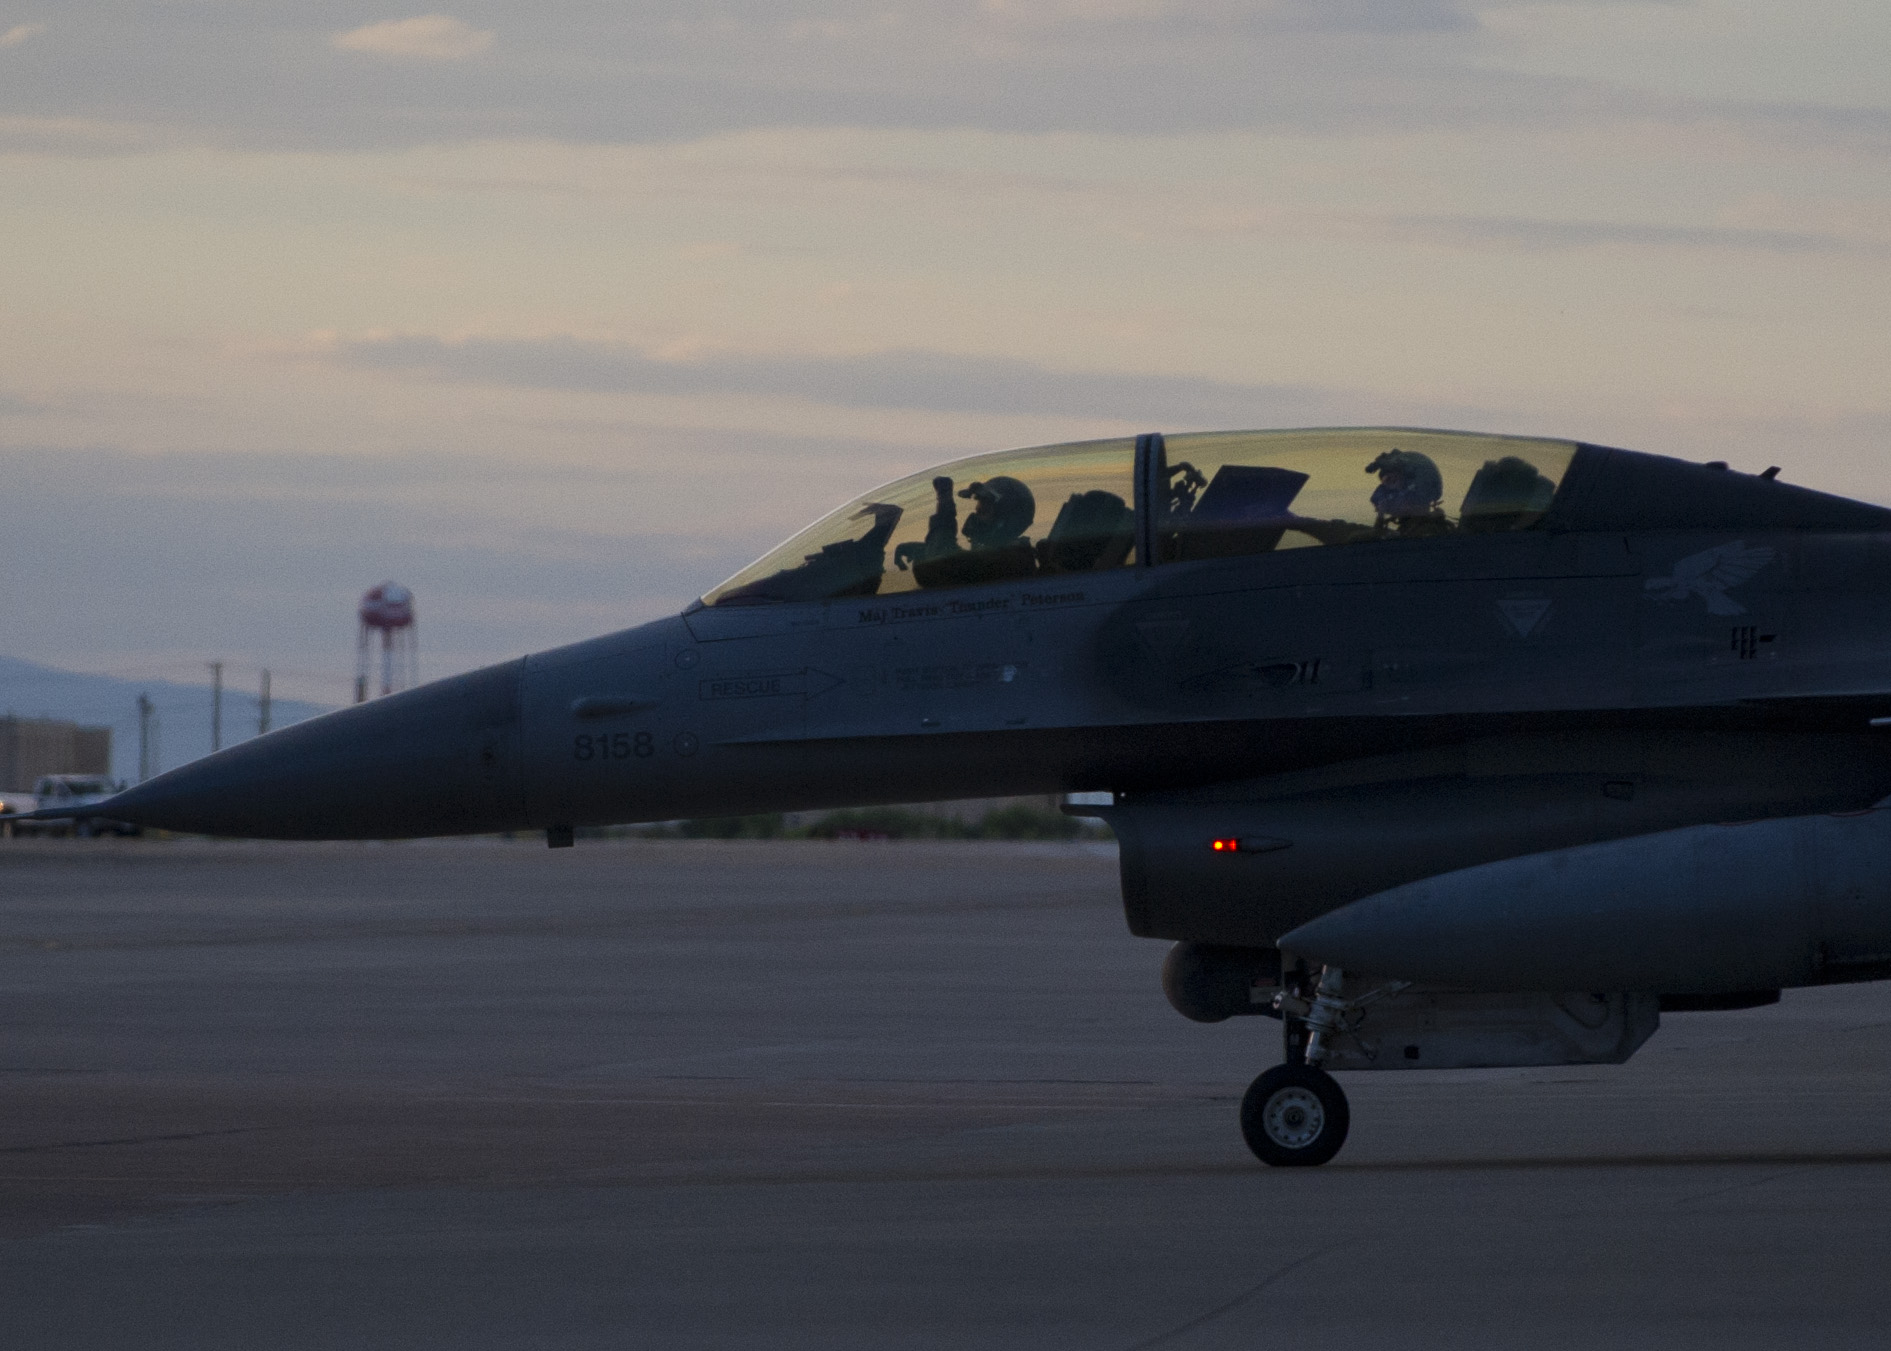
{"x":183,"y":711}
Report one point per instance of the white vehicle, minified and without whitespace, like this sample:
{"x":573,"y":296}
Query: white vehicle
{"x":15,"y":804}
{"x":57,"y":791}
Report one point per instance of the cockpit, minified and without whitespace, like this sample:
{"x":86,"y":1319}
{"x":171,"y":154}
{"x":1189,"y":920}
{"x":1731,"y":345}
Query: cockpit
{"x":1097,"y":505}
{"x":1223,"y":494}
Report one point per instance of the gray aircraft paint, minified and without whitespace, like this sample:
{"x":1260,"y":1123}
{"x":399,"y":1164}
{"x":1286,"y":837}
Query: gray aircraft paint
{"x":1756,"y":905}
{"x":1672,"y":645}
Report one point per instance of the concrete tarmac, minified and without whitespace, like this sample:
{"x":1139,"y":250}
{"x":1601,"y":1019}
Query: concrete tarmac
{"x":809,"y":1095}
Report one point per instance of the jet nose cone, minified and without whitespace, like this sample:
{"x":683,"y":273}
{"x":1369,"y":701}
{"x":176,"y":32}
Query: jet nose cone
{"x":439,"y":760}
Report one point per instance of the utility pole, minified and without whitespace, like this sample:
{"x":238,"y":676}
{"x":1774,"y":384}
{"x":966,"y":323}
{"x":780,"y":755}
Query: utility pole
{"x":262,"y":705}
{"x":216,"y":706}
{"x":147,"y":743}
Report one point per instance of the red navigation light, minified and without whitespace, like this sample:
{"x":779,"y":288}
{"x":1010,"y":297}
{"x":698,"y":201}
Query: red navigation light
{"x":1225,"y":846}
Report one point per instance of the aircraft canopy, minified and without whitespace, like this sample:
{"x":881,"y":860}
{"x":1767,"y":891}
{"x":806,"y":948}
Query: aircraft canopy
{"x":1074,"y":508}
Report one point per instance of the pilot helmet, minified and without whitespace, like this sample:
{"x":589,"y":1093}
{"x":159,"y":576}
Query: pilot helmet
{"x":1409,"y":484}
{"x":1004,"y":511}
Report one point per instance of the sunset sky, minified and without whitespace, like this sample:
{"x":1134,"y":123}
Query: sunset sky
{"x":558,"y":313}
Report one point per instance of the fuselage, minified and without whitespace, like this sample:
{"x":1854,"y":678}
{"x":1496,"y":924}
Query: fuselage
{"x":1192,"y":674}
{"x":1662,"y":644}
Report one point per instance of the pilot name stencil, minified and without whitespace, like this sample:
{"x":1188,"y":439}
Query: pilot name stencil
{"x":892,"y":614}
{"x":895,"y":613}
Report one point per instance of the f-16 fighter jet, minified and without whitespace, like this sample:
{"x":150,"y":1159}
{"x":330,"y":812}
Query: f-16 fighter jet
{"x":1441,"y":749}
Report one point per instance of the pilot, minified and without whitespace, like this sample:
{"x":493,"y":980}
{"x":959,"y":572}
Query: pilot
{"x":1410,"y":495}
{"x":848,"y":567}
{"x":1409,"y":503}
{"x":1004,"y":510}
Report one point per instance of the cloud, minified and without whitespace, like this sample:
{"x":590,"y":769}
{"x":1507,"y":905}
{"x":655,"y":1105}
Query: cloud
{"x":20,"y":32}
{"x":1525,"y":233}
{"x":904,"y":379}
{"x":79,"y":137}
{"x":672,"y":70}
{"x":1229,"y":15}
{"x":430,"y":37}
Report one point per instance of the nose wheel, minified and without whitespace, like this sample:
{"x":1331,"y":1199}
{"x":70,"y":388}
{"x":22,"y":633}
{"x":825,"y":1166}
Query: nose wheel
{"x":1294,"y":1116}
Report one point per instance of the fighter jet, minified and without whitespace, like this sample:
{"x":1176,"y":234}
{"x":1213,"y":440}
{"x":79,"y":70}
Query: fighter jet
{"x":1442,"y":749}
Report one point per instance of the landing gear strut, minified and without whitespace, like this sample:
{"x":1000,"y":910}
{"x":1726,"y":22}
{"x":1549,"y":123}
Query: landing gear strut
{"x":1295,"y":1116}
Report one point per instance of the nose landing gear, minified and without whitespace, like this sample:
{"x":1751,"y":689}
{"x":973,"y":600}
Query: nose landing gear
{"x":1295,"y":1116}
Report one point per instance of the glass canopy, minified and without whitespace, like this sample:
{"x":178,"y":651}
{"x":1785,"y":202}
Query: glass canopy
{"x":1230,"y":493}
{"x":991,"y":518}
{"x":1071,"y":508}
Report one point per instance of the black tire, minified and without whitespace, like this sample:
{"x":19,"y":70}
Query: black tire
{"x":1294,"y":1116}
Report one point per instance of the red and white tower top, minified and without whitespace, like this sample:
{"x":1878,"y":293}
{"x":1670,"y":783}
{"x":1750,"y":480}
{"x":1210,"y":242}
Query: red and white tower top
{"x":387,"y":612}
{"x":388,"y":606}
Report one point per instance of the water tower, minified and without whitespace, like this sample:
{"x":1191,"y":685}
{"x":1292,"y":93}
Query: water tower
{"x":388,"y":610}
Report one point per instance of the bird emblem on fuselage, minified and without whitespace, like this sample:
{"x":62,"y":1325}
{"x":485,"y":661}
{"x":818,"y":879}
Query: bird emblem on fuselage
{"x":1709,"y":573}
